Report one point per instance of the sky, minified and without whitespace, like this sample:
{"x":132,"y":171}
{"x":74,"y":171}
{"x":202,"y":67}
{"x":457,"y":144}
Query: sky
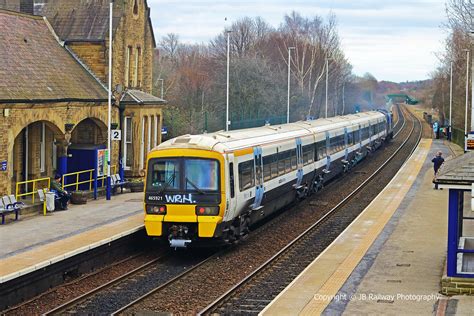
{"x":394,"y":40}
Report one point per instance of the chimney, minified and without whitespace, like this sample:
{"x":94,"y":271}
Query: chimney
{"x":27,"y":6}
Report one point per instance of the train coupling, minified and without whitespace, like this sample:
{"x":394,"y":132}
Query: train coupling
{"x":179,"y":243}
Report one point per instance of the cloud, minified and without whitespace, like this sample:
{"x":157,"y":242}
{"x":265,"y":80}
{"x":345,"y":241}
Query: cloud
{"x":392,"y":39}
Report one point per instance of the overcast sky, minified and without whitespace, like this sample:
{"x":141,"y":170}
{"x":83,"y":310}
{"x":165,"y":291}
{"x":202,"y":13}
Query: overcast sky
{"x":392,"y":39}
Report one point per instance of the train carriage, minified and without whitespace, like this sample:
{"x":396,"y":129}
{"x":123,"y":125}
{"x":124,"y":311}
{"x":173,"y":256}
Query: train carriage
{"x":213,"y":187}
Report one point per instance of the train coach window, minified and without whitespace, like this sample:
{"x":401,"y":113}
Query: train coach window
{"x":355,"y":136}
{"x":267,"y":169}
{"x":321,"y":149}
{"x":308,"y":154}
{"x":246,"y":175}
{"x":293,"y":159}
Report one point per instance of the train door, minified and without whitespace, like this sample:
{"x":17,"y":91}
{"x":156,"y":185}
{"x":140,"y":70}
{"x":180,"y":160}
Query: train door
{"x":360,"y":138}
{"x":299,"y":163}
{"x":259,"y":189}
{"x":328,"y":153}
{"x":231,"y":204}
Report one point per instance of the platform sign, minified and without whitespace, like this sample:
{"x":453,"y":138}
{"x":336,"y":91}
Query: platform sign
{"x":3,"y":165}
{"x":164,"y":130}
{"x":116,"y":134}
{"x":470,"y":141}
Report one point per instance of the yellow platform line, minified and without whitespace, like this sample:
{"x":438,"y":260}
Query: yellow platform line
{"x":326,"y":275}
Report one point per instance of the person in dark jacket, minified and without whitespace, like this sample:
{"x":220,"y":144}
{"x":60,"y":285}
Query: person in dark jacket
{"x":437,"y":162}
{"x":63,"y":196}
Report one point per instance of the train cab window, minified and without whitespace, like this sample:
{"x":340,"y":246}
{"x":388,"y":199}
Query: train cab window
{"x":246,"y":175}
{"x":201,"y":174}
{"x":163,"y":174}
{"x":231,"y":180}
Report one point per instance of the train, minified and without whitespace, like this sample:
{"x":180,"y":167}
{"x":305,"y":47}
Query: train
{"x":211,"y":188}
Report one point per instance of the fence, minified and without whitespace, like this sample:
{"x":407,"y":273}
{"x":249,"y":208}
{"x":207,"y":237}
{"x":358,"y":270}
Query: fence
{"x":458,"y":136}
{"x":34,"y":187}
{"x":85,"y":177}
{"x":257,"y":122}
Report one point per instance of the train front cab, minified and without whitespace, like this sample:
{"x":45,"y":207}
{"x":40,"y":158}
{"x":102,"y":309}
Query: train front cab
{"x":184,"y":194}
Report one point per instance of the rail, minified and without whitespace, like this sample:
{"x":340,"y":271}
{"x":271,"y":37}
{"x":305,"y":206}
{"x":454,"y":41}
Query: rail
{"x":89,"y":180}
{"x":33,"y":189}
{"x":211,"y":307}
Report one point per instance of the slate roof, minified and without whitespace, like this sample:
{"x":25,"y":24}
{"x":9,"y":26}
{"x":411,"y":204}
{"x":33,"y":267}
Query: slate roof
{"x":140,"y":97}
{"x":81,"y":20}
{"x":34,"y":67}
{"x":458,"y":171}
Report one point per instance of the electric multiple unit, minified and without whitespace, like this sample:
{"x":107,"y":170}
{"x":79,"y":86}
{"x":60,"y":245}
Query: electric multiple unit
{"x":213,"y":187}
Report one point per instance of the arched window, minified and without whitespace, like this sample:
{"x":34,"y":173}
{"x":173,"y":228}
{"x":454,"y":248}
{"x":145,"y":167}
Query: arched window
{"x":135,"y":7}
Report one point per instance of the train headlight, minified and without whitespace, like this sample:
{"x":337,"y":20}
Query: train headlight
{"x":156,"y":209}
{"x":207,"y":210}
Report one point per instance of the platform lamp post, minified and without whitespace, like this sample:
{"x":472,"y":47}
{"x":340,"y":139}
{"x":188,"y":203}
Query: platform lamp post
{"x":289,"y":75}
{"x":108,"y":192}
{"x":327,"y":82}
{"x":162,"y":83}
{"x":450,"y":127}
{"x":227,"y":123}
{"x":467,"y":99}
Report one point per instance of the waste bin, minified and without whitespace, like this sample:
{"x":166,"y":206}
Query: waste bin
{"x":50,"y":198}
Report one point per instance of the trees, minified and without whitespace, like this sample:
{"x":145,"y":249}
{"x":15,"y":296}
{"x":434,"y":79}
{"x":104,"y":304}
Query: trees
{"x":195,"y":75}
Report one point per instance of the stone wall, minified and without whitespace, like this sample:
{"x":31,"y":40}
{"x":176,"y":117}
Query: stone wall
{"x":15,"y":117}
{"x":93,"y":55}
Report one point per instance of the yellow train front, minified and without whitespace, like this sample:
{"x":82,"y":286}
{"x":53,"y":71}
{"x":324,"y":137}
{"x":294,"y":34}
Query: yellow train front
{"x":184,"y":194}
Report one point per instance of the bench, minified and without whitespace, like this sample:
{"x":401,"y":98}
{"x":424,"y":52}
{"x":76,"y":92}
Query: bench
{"x":9,"y":205}
{"x":116,"y":181}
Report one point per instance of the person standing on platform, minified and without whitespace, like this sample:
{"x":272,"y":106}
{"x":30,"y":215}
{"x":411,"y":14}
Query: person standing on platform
{"x":63,"y":195}
{"x":437,"y":162}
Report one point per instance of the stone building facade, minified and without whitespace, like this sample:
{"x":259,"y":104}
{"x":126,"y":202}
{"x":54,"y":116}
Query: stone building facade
{"x":53,"y":94}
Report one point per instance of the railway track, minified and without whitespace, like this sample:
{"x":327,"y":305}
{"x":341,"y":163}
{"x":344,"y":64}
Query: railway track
{"x":111,"y":296}
{"x":192,"y":292}
{"x":254,"y":292}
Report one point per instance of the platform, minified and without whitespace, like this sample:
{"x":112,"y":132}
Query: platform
{"x":390,"y":260}
{"x":35,"y":242}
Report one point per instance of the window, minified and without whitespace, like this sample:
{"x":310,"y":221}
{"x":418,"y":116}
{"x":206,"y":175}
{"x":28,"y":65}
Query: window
{"x":337,"y":144}
{"x":155,"y":131}
{"x":43,"y":148}
{"x":231,"y":180}
{"x":135,"y":68}
{"x":135,"y":7}
{"x":163,"y":175}
{"x":293,"y":159}
{"x":308,"y":154}
{"x":246,"y":175}
{"x":148,"y":143}
{"x":138,"y":67}
{"x":142,"y":144}
{"x":127,"y":66}
{"x":128,"y":146}
{"x":321,"y":149}
{"x":201,"y":175}
{"x":284,"y":162}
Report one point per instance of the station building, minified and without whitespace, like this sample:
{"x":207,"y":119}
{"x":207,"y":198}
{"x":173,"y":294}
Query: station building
{"x":53,"y":87}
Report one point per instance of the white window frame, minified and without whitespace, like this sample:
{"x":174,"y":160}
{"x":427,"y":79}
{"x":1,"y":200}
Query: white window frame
{"x":43,"y":148}
{"x":148,"y":144}
{"x":125,"y":125}
{"x":142,"y":145}
{"x":155,"y":139}
{"x":55,"y":154}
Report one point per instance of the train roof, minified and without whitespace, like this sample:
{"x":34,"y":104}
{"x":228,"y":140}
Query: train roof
{"x":223,"y":141}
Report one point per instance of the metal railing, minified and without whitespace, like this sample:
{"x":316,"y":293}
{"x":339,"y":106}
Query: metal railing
{"x":34,"y":188}
{"x":78,"y":181}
